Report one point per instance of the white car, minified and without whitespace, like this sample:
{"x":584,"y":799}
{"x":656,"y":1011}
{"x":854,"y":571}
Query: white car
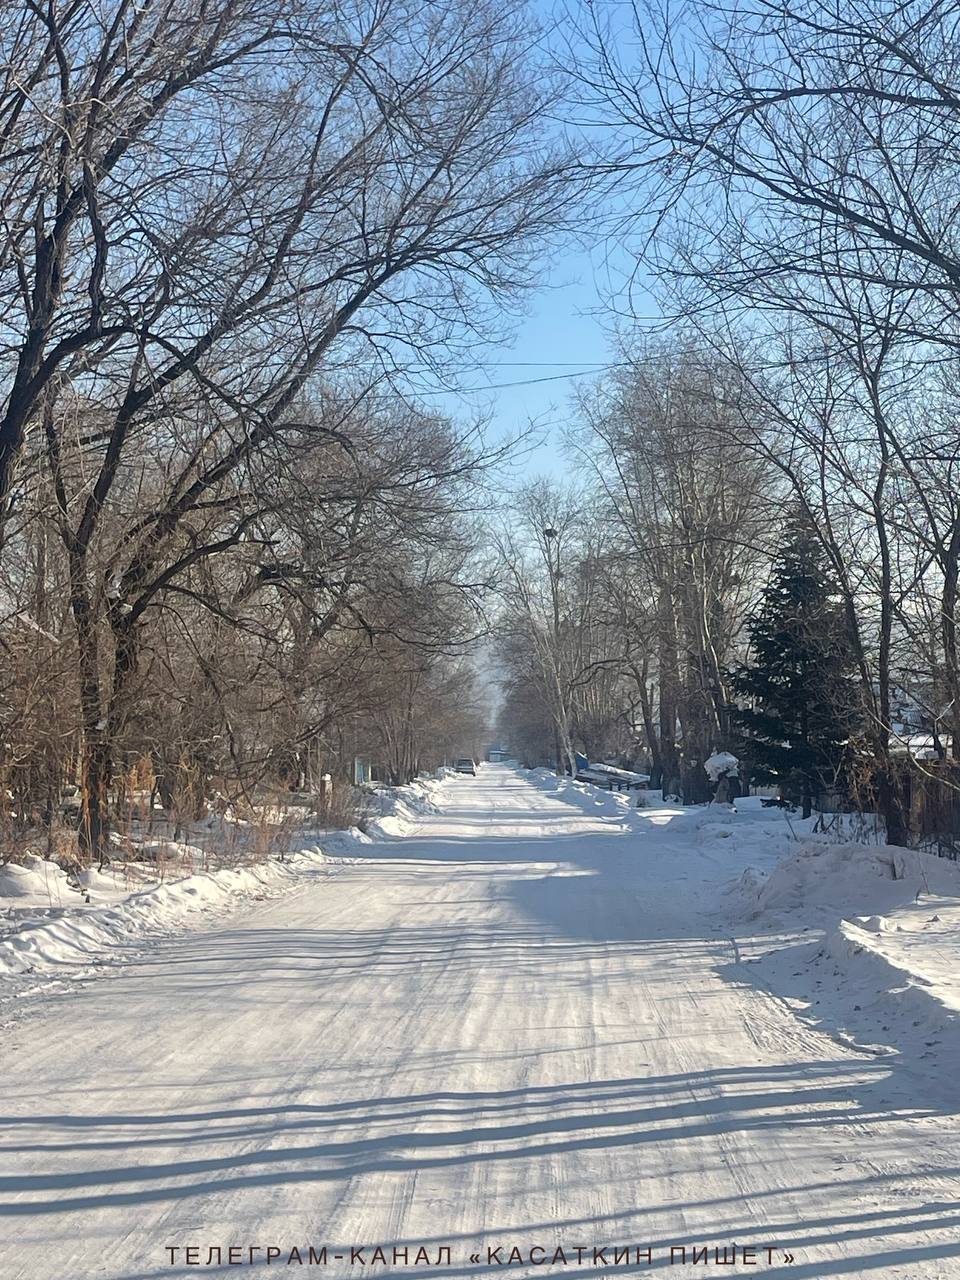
{"x":466,"y":765}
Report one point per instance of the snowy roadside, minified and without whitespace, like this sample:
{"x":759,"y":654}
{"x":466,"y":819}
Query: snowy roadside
{"x":397,"y":811}
{"x":863,"y":941}
{"x":56,"y":929}
{"x":592,"y":800}
{"x":51,"y":928}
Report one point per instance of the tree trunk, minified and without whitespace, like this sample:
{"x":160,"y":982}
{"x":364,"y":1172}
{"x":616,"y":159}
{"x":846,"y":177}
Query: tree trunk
{"x":95,"y":754}
{"x":807,"y":784}
{"x":949,"y":635}
{"x":95,"y":825}
{"x":650,"y":731}
{"x":890,"y":805}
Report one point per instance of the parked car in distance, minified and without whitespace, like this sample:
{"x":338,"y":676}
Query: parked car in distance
{"x":466,"y":765}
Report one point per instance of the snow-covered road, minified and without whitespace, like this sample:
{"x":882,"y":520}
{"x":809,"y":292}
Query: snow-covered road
{"x":523,"y":1026}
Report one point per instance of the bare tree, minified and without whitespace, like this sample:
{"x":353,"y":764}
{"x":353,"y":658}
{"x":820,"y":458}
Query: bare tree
{"x":208,"y":210}
{"x":688,"y":506}
{"x":796,"y":179}
{"x":541,"y":542}
{"x":750,"y":129}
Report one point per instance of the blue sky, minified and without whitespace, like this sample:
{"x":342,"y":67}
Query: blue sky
{"x":563,"y":328}
{"x":566,"y":328}
{"x":564,"y":338}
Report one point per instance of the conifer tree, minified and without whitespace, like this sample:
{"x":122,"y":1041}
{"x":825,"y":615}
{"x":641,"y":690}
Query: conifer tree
{"x":802,"y":699}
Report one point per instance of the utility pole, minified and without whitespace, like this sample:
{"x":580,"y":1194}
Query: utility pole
{"x":552,"y":540}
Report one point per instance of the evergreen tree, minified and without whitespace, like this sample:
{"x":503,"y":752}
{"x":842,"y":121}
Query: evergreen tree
{"x":803,"y":699}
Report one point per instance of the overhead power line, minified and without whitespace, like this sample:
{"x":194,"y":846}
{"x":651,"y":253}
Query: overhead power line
{"x":525,"y":382}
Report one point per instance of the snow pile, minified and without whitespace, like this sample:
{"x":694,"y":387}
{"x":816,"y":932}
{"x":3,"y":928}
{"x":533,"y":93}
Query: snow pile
{"x":721,"y":765}
{"x":886,"y":970}
{"x":72,"y":939}
{"x":35,"y":882}
{"x":853,"y":879}
{"x":750,"y":838}
{"x":620,"y":805}
{"x":344,"y":842}
{"x":598,"y":803}
{"x":542,"y":777}
{"x":399,"y":809}
{"x":881,"y":985}
{"x":908,"y":977}
{"x":175,"y":851}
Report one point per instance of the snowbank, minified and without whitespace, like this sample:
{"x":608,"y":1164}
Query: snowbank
{"x":35,"y":882}
{"x":399,"y":809}
{"x":50,"y":922}
{"x":592,"y":800}
{"x":842,"y":879}
{"x":73,"y":939}
{"x":885,"y":973}
{"x":888,"y":969}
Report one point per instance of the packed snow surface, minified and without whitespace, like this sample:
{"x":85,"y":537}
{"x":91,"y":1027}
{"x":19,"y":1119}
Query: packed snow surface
{"x":525,"y":1015}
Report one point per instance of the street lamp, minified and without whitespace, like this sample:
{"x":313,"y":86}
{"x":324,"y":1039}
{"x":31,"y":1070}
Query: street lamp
{"x":550,"y":536}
